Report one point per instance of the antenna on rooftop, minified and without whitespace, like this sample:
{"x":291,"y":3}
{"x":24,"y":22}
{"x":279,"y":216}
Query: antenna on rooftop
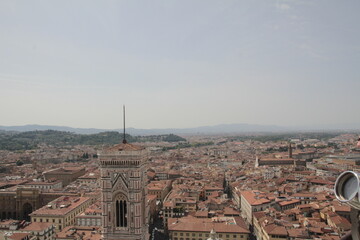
{"x":124,"y":140}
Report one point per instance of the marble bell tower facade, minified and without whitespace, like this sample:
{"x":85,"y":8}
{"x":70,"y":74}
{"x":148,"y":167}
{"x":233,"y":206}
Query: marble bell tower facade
{"x":123,"y":184}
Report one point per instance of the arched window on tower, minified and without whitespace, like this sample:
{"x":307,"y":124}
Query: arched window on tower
{"x":121,"y":211}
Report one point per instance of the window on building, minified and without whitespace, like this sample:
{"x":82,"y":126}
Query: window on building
{"x":121,"y":213}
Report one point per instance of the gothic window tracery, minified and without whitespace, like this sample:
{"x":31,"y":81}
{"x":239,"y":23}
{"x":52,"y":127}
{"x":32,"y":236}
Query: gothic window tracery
{"x":121,"y":211}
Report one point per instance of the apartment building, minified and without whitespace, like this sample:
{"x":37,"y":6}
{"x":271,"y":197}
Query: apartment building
{"x":61,"y":212}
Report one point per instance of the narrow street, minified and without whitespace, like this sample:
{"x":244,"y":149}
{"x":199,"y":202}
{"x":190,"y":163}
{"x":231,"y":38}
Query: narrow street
{"x":157,"y":230}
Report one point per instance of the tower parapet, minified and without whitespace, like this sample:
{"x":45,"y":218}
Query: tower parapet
{"x":123,"y":155}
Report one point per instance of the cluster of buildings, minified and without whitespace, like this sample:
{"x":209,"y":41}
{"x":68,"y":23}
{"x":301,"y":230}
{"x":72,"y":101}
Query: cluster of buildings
{"x":40,"y":199}
{"x":227,"y":190}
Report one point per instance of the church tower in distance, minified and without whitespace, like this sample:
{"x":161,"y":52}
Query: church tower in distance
{"x":123,"y":184}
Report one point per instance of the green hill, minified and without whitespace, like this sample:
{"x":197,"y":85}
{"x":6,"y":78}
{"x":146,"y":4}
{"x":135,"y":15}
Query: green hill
{"x":30,"y":140}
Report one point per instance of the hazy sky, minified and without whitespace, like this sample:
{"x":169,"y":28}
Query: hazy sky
{"x":183,"y":63}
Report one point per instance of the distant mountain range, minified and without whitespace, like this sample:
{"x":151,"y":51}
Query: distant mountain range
{"x":217,"y":129}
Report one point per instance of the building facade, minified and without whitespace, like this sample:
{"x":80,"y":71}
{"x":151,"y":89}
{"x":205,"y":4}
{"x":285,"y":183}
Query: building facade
{"x":253,"y":201}
{"x":61,"y":212}
{"x":92,"y":216}
{"x":19,"y":203}
{"x":57,"y":184}
{"x":123,"y":184}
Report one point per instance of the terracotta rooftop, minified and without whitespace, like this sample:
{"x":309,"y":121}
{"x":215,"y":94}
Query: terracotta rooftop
{"x":157,"y":185}
{"x":288,"y":202}
{"x":150,"y":197}
{"x":276,"y":159}
{"x":275,"y":230}
{"x":191,"y":224}
{"x":65,"y":170}
{"x":259,"y":215}
{"x":255,"y":197}
{"x":342,"y":208}
{"x":77,"y":232}
{"x":298,"y":233}
{"x":60,"y":206}
{"x":231,"y":211}
{"x":37,"y":226}
{"x":17,"y":236}
{"x":341,"y":222}
{"x":124,"y":147}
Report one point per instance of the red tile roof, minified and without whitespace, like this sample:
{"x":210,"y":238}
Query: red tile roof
{"x":124,"y":147}
{"x":254,"y":197}
{"x":191,"y":224}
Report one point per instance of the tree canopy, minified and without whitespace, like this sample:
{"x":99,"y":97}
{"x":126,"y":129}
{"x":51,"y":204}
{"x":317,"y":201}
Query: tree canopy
{"x":13,"y":141}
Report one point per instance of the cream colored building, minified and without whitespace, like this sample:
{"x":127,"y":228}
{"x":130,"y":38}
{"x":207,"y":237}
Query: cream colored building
{"x":61,"y":212}
{"x":178,"y":204}
{"x":92,"y":216}
{"x":253,"y":201}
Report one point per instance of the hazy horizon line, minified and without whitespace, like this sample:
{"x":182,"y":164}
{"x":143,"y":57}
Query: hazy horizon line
{"x":354,"y":126}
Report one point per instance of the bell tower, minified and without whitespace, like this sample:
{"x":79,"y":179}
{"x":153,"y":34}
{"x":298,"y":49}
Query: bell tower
{"x":123,"y":182}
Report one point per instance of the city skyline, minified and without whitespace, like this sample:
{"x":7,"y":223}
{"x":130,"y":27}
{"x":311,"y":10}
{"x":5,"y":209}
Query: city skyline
{"x":179,"y":64}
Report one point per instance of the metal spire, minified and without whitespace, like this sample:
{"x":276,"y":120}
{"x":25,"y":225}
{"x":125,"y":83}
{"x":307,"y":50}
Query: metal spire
{"x":124,"y":139}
